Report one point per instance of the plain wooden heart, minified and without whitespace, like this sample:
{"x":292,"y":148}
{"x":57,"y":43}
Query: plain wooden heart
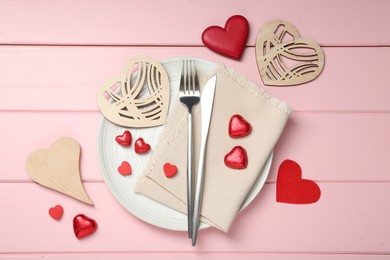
{"x":139,"y":96}
{"x":284,"y":58}
{"x":58,"y":168}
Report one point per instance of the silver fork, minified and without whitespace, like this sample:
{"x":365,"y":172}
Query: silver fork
{"x":189,"y":94}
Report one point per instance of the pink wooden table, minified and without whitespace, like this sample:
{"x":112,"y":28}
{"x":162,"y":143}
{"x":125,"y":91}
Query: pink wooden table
{"x":55,"y":54}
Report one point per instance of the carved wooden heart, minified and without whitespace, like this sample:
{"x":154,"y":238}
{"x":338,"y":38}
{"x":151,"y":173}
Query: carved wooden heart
{"x":138,"y":97}
{"x":284,"y":58}
{"x":58,"y":168}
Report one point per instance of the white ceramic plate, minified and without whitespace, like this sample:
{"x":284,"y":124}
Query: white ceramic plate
{"x":111,"y":155}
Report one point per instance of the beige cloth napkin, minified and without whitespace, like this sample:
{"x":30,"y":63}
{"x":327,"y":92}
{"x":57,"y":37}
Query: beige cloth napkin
{"x":225,"y":189}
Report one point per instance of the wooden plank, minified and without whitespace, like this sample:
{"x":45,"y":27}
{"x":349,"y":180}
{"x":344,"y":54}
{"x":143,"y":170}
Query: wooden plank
{"x":27,"y":132}
{"x":106,"y":22}
{"x":67,"y":78}
{"x":328,"y":136}
{"x":191,"y":256}
{"x":349,"y":218}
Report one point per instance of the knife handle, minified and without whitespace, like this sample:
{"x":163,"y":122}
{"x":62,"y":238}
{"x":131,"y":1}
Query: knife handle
{"x":198,"y":192}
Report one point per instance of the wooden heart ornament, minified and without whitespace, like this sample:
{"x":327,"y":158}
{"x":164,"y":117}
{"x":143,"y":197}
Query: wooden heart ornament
{"x":58,"y":168}
{"x":291,"y":188}
{"x":229,"y":41}
{"x":284,"y":58}
{"x":138,"y":97}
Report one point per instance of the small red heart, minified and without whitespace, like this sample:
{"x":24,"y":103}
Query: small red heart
{"x":56,"y":212}
{"x":236,"y":158}
{"x":124,"y":139}
{"x":83,"y":226}
{"x":291,"y":188}
{"x":229,"y":41}
{"x":125,"y":168}
{"x":170,"y":170}
{"x":140,"y":146}
{"x":239,"y":127}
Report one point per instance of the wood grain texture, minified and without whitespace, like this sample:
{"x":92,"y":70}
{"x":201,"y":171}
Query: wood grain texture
{"x":56,"y":54}
{"x":120,"y":22}
{"x":345,"y":220}
{"x":302,"y":141}
{"x":58,"y":167}
{"x":68,"y":78}
{"x":189,"y":256}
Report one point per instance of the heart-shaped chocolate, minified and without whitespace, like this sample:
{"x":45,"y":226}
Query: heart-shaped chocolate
{"x":125,"y":168}
{"x":170,"y":170}
{"x":139,"y":97}
{"x":291,"y":188}
{"x":239,"y":127}
{"x":229,"y":41}
{"x":58,"y":168}
{"x":236,"y":158}
{"x":84,"y":226}
{"x":140,"y":146}
{"x":124,"y":139}
{"x":56,"y":212}
{"x":284,"y":58}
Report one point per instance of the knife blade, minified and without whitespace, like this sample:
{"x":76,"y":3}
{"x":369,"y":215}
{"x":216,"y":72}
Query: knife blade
{"x":206,"y":103}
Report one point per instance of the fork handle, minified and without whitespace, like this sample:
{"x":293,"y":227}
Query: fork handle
{"x":190,"y":176}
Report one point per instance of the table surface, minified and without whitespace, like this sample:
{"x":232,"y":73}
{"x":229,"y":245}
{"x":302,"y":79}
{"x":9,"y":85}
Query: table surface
{"x":54,"y":55}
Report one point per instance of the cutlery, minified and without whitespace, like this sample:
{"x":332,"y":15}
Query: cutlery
{"x":189,"y":95}
{"x":206,"y":104}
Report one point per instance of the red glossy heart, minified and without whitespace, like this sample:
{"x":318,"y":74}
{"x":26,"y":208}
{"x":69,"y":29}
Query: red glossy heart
{"x":56,"y":212}
{"x":140,"y":146}
{"x":236,"y":158}
{"x":291,"y":188}
{"x":170,"y":170}
{"x":229,"y":41}
{"x":239,"y":127}
{"x":83,"y":226}
{"x":124,"y":139}
{"x":125,"y":168}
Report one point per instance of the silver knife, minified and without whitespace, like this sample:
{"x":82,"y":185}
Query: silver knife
{"x":206,"y":106}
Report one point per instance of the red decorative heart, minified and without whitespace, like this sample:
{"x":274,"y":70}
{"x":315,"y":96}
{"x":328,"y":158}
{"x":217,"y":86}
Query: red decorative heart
{"x":125,"y":168}
{"x":170,"y":170}
{"x":236,"y":158}
{"x":124,"y":139}
{"x":239,"y":127}
{"x":56,"y":212}
{"x":140,"y":146}
{"x":83,"y":226}
{"x":291,"y":188}
{"x":229,"y":41}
